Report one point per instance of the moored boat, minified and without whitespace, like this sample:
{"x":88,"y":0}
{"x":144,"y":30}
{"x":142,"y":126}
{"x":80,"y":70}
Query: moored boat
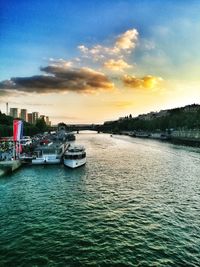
{"x":74,"y":156}
{"x":142,"y":134}
{"x":49,"y":154}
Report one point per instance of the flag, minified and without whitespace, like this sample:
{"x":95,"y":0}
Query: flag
{"x":17,"y":130}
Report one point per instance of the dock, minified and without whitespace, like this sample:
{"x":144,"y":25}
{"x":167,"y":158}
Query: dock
{"x":10,"y":166}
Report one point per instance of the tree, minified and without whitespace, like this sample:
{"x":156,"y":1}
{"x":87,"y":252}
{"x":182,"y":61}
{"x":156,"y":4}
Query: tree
{"x":41,"y":125}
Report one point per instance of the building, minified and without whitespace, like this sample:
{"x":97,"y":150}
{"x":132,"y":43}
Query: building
{"x":48,"y":121}
{"x":162,"y":113}
{"x":192,"y":108}
{"x":7,"y":109}
{"x":24,"y":115}
{"x":147,"y":117}
{"x":30,"y":118}
{"x":14,"y":112}
{"x":35,"y":117}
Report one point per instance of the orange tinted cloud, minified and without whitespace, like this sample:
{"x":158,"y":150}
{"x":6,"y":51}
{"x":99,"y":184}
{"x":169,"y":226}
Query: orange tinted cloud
{"x":148,"y":81}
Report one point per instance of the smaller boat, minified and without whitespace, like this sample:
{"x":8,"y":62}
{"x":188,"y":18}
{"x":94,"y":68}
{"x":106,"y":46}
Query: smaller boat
{"x":74,"y":156}
{"x":50,"y":153}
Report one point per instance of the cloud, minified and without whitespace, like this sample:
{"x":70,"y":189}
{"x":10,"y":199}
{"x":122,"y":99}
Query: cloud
{"x":5,"y":87}
{"x":116,"y":65}
{"x":124,"y":43}
{"x":148,"y":82}
{"x":7,"y":84}
{"x":60,"y":79}
{"x":60,"y":62}
{"x":127,"y":41}
{"x":83,"y":49}
{"x":62,"y":76}
{"x":96,"y":53}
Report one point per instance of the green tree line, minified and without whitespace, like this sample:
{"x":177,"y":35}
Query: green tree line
{"x":174,"y":119}
{"x":6,"y":126}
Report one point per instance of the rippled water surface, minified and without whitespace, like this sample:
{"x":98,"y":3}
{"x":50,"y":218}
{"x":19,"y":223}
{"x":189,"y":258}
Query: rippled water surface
{"x":135,"y":203}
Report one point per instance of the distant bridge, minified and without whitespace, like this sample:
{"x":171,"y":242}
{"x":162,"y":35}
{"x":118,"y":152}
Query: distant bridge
{"x":76,"y":127}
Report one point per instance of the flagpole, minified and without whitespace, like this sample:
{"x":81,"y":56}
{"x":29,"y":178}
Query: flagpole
{"x":14,"y":148}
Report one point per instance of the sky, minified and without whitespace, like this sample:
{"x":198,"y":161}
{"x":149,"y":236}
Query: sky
{"x":93,"y":61}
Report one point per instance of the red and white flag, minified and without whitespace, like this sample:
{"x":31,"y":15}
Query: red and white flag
{"x":17,"y":130}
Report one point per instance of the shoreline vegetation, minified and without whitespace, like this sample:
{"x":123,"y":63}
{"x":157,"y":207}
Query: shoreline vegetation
{"x":178,"y":125}
{"x":6,"y":126}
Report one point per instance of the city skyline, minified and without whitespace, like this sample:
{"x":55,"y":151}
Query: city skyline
{"x":90,"y":62}
{"x":23,"y":114}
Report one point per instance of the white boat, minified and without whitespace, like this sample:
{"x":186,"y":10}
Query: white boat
{"x":74,"y":156}
{"x":49,"y":154}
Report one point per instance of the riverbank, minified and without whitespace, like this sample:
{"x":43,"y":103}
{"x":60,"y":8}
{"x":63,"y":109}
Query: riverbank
{"x":179,"y":137}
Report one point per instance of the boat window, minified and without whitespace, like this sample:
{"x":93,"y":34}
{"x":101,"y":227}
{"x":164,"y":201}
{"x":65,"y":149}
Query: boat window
{"x":38,"y":154}
{"x":59,"y":151}
{"x":79,"y":156}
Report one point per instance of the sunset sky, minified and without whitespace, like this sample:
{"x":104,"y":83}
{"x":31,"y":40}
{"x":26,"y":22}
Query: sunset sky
{"x":92,"y":61}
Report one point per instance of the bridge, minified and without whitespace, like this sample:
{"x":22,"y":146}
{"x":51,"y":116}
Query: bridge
{"x":76,"y":127}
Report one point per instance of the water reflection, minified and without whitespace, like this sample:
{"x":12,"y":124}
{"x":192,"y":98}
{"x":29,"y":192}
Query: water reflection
{"x":135,"y":202}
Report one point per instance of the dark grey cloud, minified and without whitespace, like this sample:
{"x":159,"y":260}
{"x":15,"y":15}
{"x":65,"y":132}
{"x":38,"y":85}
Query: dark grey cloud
{"x":59,"y":78}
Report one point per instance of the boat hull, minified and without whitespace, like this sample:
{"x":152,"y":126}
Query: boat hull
{"x":45,"y":161}
{"x":74,"y":163}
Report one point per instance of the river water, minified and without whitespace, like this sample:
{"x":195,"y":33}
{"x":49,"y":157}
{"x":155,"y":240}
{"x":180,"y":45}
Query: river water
{"x":135,"y":203}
